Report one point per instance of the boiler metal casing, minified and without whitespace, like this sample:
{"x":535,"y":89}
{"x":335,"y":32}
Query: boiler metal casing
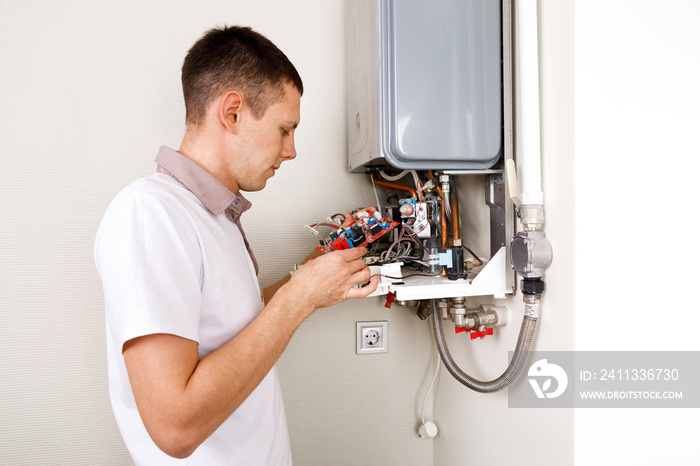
{"x":424,"y":84}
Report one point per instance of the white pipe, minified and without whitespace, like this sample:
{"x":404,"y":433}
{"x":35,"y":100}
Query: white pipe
{"x":528,"y":73}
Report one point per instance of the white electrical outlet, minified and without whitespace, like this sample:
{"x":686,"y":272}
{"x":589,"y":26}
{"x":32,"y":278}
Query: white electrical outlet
{"x":372,"y":337}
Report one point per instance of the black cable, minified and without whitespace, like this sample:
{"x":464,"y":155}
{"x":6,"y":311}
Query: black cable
{"x":414,"y":275}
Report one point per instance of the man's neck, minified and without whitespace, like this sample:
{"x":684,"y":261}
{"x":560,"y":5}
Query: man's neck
{"x":203,"y":149}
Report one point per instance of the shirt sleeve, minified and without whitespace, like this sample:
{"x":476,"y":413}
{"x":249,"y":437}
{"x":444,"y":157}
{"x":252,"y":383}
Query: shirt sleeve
{"x":150,"y":262}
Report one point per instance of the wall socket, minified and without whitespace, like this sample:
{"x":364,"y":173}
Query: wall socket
{"x":371,"y":337}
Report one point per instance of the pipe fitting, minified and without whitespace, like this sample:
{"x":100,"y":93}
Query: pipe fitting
{"x":511,"y":373}
{"x":530,"y":253}
{"x":445,"y":183}
{"x":458,"y":312}
{"x":532,"y":217}
{"x":444,"y":306}
{"x":485,"y":315}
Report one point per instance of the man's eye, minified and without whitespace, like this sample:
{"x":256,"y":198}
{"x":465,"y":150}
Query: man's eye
{"x":285,"y":132}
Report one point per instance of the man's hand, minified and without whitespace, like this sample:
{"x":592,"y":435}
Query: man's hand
{"x":331,"y":279}
{"x":270,"y":291}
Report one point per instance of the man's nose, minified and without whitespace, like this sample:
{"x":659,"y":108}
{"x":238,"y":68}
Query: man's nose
{"x":288,"y":149}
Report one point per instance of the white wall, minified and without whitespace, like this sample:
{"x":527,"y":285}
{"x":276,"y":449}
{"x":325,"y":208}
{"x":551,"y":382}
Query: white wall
{"x":480,"y":428}
{"x":88,"y":92}
{"x":637,"y":100}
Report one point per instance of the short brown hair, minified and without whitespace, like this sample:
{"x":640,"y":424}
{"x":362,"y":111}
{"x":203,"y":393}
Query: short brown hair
{"x":235,"y":57}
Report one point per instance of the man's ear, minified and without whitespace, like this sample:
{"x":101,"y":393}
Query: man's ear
{"x":230,"y":107}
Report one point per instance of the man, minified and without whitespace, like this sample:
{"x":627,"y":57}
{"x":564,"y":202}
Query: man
{"x":192,"y":339}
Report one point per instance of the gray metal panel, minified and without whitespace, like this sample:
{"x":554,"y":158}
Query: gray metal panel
{"x":363,"y":57}
{"x":442,"y":83}
{"x":508,"y":138}
{"x":424,"y":84}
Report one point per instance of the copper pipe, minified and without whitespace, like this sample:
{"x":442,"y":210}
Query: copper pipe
{"x":389,"y":184}
{"x":455,"y":217}
{"x":474,"y":256}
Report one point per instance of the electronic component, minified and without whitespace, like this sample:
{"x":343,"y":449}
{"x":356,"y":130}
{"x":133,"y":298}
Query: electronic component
{"x":416,"y":214}
{"x":365,"y":230}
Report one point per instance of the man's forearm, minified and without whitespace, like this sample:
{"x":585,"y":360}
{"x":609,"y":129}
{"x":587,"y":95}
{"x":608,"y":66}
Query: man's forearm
{"x":270,"y":291}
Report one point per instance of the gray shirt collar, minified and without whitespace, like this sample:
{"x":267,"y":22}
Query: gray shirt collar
{"x":216,"y":197}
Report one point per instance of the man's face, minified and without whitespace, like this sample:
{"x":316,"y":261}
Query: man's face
{"x":266,"y":142}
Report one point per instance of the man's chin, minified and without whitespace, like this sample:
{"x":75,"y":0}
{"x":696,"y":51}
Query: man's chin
{"x":254,"y":187}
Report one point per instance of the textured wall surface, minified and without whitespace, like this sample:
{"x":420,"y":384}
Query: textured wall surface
{"x":501,"y":435}
{"x":88,"y":92}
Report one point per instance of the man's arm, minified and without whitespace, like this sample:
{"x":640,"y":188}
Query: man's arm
{"x":183,"y":400}
{"x":270,"y":291}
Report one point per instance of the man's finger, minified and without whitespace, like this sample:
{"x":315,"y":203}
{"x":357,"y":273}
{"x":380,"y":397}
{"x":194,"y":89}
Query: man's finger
{"x":352,"y":254}
{"x":349,"y":220}
{"x":364,"y":291}
{"x":359,"y":271}
{"x":357,"y":264}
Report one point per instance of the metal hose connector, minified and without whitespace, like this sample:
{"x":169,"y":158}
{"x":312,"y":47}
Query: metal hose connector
{"x":512,"y":371}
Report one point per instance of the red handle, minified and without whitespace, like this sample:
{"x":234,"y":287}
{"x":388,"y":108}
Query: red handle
{"x":473,"y":333}
{"x":389,"y":299}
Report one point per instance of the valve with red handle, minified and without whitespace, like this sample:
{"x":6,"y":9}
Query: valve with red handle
{"x":474,"y":333}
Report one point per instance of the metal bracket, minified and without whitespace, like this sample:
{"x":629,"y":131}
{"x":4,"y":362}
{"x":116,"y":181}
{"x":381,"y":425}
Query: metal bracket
{"x":496,"y":200}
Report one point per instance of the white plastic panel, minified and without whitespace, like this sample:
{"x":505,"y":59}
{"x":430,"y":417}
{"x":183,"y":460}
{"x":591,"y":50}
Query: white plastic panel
{"x":490,"y":281}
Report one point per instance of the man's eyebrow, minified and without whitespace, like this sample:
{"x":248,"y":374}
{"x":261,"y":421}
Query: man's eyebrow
{"x":291,"y":123}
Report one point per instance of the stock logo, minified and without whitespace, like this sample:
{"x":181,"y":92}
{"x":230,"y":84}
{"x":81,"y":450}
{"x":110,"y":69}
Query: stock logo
{"x":546,"y":372}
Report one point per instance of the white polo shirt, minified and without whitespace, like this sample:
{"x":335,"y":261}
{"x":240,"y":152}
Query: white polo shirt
{"x":174,"y":259}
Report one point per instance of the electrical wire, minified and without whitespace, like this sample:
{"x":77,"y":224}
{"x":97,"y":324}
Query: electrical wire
{"x":406,"y":276}
{"x":376,"y":196}
{"x":403,"y":251}
{"x":430,"y":387}
{"x":399,"y":176}
{"x":415,"y":275}
{"x":312,"y":227}
{"x":324,"y":224}
{"x":423,"y":263}
{"x":385,"y":255}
